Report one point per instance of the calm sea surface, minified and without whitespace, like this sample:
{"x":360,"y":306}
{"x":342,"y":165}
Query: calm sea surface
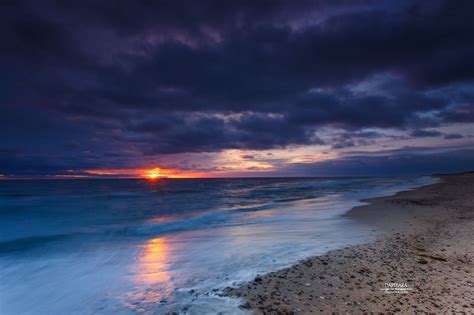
{"x":146,"y":247}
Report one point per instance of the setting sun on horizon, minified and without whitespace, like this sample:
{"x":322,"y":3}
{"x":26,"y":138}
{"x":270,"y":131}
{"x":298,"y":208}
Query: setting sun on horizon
{"x":154,"y":174}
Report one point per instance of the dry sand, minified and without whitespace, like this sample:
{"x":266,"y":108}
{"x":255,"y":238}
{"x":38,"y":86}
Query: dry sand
{"x":425,"y":246}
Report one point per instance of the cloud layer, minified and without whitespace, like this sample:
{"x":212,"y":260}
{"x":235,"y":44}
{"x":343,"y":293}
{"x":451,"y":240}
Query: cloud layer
{"x":112,"y":85}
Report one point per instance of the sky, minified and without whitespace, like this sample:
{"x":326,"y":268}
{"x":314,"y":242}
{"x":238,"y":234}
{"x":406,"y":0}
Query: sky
{"x":236,"y":88}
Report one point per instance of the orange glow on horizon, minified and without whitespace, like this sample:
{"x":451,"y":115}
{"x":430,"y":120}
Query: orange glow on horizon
{"x":150,"y":174}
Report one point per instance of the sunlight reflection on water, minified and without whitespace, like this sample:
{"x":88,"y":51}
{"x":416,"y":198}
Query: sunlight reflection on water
{"x":152,"y":267}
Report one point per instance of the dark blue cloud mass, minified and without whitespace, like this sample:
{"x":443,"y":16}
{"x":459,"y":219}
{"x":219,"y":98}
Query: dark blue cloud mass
{"x":99,"y":84}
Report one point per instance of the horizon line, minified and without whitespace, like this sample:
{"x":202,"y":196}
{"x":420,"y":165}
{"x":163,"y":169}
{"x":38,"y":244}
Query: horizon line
{"x":15,"y":178}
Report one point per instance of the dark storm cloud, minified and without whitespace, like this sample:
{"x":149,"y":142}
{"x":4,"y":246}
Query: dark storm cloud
{"x":453,"y":136}
{"x":355,"y":138}
{"x":179,"y":133}
{"x":82,"y":79}
{"x":425,"y":133}
{"x":458,"y":113}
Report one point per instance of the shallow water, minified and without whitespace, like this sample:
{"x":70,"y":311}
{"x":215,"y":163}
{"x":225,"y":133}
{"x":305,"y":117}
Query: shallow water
{"x":139,"y":246}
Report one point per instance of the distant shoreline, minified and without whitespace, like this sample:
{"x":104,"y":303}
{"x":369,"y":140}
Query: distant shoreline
{"x":422,"y":260}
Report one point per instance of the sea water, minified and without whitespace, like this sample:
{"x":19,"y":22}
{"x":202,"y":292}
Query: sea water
{"x":134,"y":246}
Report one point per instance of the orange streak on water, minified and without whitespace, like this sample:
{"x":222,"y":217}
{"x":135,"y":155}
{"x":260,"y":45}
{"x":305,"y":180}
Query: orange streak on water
{"x":152,"y":265}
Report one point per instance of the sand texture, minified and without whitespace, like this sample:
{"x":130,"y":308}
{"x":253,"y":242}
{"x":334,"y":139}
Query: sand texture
{"x":425,"y":246}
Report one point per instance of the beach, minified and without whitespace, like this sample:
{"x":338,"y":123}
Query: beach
{"x":420,"y":261}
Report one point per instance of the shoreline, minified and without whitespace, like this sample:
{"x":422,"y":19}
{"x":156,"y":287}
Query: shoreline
{"x":421,"y":260}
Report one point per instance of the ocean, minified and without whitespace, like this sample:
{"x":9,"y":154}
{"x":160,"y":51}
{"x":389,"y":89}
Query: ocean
{"x":136,"y":246}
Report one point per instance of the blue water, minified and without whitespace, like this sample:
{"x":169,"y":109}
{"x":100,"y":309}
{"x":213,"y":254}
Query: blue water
{"x":151,"y":247}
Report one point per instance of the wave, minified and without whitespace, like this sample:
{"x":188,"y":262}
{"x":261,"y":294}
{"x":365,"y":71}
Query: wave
{"x":221,"y":217}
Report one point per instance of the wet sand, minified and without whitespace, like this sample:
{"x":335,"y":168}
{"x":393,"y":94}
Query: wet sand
{"x":421,"y":261}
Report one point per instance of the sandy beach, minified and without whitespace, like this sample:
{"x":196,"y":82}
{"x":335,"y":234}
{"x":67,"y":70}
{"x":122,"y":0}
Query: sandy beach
{"x":420,"y":261}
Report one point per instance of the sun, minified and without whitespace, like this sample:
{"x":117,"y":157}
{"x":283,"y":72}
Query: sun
{"x":153,"y":175}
